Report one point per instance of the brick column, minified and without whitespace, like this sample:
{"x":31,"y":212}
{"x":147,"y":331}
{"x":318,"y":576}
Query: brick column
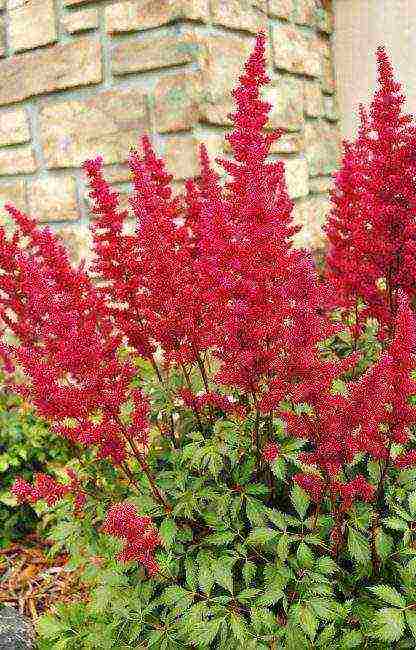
{"x":87,"y":77}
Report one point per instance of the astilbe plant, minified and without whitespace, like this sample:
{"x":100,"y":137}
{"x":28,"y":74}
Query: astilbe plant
{"x":371,"y":228}
{"x":236,"y":484}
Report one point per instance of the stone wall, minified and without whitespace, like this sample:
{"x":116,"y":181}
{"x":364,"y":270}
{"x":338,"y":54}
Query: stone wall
{"x":80,"y":78}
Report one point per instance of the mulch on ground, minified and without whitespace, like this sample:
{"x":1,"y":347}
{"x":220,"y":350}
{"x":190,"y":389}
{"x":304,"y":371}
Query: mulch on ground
{"x":32,"y":582}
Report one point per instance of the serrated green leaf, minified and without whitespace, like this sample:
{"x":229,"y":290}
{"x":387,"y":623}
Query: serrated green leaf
{"x":326,"y":565}
{"x":168,"y":531}
{"x":384,"y":544}
{"x":205,"y":574}
{"x":270,"y":597}
{"x":395,"y":523}
{"x":247,"y":594}
{"x":223,"y":575}
{"x":260,"y":536}
{"x":220,"y":538}
{"x":308,"y":621}
{"x":352,"y":639}
{"x":249,"y":571}
{"x":282,"y":548}
{"x":389,"y":595}
{"x":389,"y":624}
{"x":300,"y":500}
{"x":411,"y":621}
{"x":358,"y":546}
{"x":239,"y":627}
{"x":305,"y":556}
{"x":412,"y":504}
{"x":191,"y":572}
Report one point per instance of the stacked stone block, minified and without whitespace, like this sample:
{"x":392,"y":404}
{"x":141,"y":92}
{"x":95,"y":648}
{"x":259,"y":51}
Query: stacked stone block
{"x":85,"y":77}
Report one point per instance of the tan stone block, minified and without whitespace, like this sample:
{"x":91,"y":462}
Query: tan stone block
{"x":19,"y":160}
{"x":328,"y":76}
{"x":280,"y":8}
{"x":297,"y":178}
{"x":117,"y":174}
{"x":108,"y":124}
{"x":293,"y":51}
{"x":286,"y":98}
{"x":325,"y":19}
{"x":61,"y":66}
{"x":181,"y":155}
{"x":128,"y":16}
{"x":31,"y":23}
{"x":313,"y":99}
{"x":13,"y":192}
{"x":331,"y":108}
{"x":221,"y":63}
{"x":311,"y":213}
{"x":288,"y":143}
{"x":77,"y":239}
{"x":238,"y":14}
{"x":176,"y":102}
{"x":53,"y":198}
{"x":320,"y":185}
{"x":81,"y":21}
{"x":323,"y":147}
{"x":305,"y":12}
{"x":14,"y":127}
{"x":2,"y":36}
{"x":154,"y":53}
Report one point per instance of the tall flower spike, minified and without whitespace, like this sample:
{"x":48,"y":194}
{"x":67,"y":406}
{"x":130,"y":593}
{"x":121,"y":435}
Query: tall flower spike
{"x":371,"y":228}
{"x":264,"y":294}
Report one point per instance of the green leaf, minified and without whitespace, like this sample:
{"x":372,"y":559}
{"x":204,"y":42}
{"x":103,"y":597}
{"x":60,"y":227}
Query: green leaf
{"x":352,"y":639}
{"x":177,"y":597}
{"x":326,"y":565}
{"x":389,"y":624}
{"x":384,"y":544}
{"x":223,"y":575}
{"x":239,"y":627}
{"x":282,"y":547}
{"x":49,"y":627}
{"x":191,"y":571}
{"x":412,"y":504}
{"x":260,"y":536}
{"x":247,"y":594}
{"x":308,"y":621}
{"x":220,"y":538}
{"x":358,"y":546}
{"x":205,"y":575}
{"x":395,"y":523}
{"x":270,"y":597}
{"x":305,"y":556}
{"x":300,"y":500}
{"x":168,"y":531}
{"x":327,"y":609}
{"x":249,"y":571}
{"x":411,"y":621}
{"x":389,"y":595}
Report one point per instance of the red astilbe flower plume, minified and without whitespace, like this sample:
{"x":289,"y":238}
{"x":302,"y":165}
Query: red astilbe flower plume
{"x":373,"y":414}
{"x":47,"y":488}
{"x":372,"y":228}
{"x":264,"y":294}
{"x":139,"y":535}
{"x":150,"y":274}
{"x":68,"y":347}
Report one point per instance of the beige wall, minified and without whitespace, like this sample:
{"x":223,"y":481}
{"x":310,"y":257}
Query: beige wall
{"x":87,"y":77}
{"x":360,"y":26}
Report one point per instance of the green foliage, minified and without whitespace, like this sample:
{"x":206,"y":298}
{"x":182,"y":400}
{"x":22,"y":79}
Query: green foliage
{"x":245,"y":562}
{"x":26,"y":446}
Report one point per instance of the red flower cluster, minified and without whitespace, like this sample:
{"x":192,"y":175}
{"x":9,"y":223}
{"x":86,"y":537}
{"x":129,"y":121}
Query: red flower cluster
{"x":138,"y":534}
{"x":45,"y":487}
{"x":68,"y":346}
{"x":373,"y":414}
{"x":264,"y":298}
{"x":372,"y":228}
